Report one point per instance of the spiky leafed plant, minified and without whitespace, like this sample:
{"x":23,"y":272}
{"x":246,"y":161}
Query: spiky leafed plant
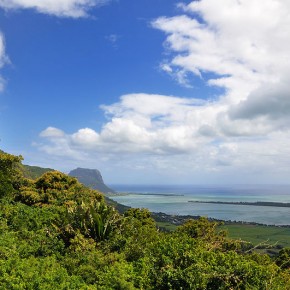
{"x":95,"y":220}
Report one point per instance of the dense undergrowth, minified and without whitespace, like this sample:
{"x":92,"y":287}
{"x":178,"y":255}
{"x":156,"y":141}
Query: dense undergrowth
{"x":57,"y":234}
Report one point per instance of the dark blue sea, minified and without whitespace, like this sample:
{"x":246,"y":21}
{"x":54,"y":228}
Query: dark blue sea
{"x":174,"y":199}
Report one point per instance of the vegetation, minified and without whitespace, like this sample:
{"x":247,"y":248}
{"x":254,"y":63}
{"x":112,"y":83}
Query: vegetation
{"x":257,"y":234}
{"x":57,"y":234}
{"x":34,"y":172}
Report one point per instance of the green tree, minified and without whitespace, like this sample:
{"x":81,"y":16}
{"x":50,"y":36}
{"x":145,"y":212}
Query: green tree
{"x":10,"y":175}
{"x":143,"y":215}
{"x":201,"y":228}
{"x":58,"y":189}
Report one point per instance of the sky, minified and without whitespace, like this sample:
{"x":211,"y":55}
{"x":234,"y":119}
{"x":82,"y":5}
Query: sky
{"x":148,"y":91}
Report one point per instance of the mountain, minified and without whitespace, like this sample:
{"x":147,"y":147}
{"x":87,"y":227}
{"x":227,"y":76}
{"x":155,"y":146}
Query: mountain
{"x":91,"y":178}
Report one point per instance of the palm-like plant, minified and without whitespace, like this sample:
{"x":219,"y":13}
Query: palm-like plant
{"x":94,"y":220}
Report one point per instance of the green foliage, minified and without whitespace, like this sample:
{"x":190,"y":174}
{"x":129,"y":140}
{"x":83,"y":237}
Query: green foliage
{"x":36,"y":273}
{"x":283,"y":259}
{"x":94,"y":220}
{"x":9,"y":174}
{"x":177,"y":262}
{"x":142,"y":215}
{"x":56,"y":188}
{"x":135,"y":232}
{"x":201,"y":228}
{"x":57,"y":234}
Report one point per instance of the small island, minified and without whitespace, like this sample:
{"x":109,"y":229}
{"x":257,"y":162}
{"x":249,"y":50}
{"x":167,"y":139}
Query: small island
{"x":256,"y":203}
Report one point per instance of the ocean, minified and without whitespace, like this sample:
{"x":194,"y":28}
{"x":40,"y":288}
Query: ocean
{"x":174,"y":199}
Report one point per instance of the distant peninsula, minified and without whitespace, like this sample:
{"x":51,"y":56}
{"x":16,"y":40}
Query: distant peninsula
{"x":256,"y":203}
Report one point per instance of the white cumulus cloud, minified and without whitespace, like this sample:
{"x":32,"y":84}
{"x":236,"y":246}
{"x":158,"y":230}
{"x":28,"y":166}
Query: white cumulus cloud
{"x":243,"y":43}
{"x":241,"y":46}
{"x":52,"y":132}
{"x":60,"y":8}
{"x":154,"y":124}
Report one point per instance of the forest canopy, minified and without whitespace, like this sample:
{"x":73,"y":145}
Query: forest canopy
{"x":56,"y":233}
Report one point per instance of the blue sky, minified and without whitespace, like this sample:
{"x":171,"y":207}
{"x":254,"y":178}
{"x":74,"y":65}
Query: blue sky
{"x":148,"y":91}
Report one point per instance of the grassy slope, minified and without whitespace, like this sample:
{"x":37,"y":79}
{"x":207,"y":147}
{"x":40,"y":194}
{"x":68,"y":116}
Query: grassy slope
{"x":257,"y":234}
{"x":34,"y":172}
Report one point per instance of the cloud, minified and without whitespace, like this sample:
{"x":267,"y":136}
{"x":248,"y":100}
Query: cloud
{"x":3,"y":60}
{"x":155,"y":124}
{"x":270,"y":101}
{"x":52,"y":132}
{"x":243,"y":43}
{"x":60,"y":8}
{"x":242,"y":47}
{"x":59,"y":144}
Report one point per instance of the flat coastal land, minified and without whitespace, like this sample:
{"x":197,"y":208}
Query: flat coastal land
{"x":268,"y":237}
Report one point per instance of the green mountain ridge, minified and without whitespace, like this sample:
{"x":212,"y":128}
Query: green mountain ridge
{"x":34,"y":172}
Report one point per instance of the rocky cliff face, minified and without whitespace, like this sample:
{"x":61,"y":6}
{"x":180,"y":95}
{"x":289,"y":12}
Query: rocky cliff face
{"x":91,"y":178}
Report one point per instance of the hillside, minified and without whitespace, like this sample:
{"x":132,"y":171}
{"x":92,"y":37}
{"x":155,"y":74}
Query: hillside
{"x":34,"y":172}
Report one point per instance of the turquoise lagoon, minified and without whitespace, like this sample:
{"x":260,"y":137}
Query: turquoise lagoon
{"x":174,"y":199}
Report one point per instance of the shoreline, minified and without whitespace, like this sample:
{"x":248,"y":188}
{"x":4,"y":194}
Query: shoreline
{"x":256,"y":203}
{"x":180,"y":219}
{"x":145,"y":193}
